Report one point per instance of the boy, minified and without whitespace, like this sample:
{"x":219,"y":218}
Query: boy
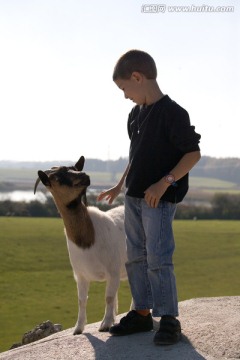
{"x":163,"y":149}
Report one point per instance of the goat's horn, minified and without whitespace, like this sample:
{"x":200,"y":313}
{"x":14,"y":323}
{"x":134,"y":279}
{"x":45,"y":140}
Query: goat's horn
{"x":36,"y":184}
{"x":38,"y":181}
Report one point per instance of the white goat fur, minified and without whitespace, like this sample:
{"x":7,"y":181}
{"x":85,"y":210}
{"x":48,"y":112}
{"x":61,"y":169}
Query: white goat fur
{"x":104,"y":260}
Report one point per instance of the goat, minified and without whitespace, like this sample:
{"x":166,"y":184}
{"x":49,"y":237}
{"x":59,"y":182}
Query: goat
{"x":95,"y":239}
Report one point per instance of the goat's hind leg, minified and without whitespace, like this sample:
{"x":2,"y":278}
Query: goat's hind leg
{"x":83,"y":287}
{"x":111,"y":302}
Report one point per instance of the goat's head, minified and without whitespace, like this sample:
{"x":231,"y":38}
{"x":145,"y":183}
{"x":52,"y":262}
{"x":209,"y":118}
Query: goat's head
{"x":66,"y":184}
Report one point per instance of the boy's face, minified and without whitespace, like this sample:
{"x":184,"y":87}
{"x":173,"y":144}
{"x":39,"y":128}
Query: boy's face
{"x":133,"y":88}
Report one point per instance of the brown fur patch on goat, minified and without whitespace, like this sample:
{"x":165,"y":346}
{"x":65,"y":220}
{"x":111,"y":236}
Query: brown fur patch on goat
{"x":79,"y":227}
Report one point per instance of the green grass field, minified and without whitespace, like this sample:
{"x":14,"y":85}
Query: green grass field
{"x":36,"y":281}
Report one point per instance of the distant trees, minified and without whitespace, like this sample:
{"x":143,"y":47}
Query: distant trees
{"x":226,"y":206}
{"x":223,"y":206}
{"x":187,"y":212}
{"x":47,"y":209}
{"x":33,"y":208}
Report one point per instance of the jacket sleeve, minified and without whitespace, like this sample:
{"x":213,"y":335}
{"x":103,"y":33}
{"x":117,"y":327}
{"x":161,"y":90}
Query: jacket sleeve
{"x":181,"y":133}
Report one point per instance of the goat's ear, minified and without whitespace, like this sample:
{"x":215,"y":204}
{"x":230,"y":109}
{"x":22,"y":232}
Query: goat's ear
{"x":80,"y":164}
{"x":44,"y":178}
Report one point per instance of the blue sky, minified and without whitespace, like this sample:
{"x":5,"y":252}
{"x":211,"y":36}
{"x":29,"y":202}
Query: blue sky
{"x":58,"y":100}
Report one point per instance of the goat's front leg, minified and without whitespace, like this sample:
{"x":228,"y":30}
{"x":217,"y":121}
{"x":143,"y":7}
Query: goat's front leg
{"x":111,"y":302}
{"x":83,"y":286}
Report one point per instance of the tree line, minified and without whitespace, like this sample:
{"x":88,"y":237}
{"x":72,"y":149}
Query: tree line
{"x":223,"y":206}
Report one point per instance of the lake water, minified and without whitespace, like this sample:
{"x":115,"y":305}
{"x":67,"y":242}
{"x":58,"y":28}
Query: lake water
{"x":28,"y":195}
{"x":18,"y":195}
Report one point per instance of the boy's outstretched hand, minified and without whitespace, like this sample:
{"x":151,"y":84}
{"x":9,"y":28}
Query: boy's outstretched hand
{"x":110,"y":194}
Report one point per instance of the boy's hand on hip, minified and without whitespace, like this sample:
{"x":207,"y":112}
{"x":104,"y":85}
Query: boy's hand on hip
{"x":154,"y":193}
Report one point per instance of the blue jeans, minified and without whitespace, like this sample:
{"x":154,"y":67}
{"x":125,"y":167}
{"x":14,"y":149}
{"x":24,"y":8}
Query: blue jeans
{"x":150,"y":247}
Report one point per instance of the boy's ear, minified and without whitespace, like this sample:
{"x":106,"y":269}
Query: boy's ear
{"x":137,"y":76}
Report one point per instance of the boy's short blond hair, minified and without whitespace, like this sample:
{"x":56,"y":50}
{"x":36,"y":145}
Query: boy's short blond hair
{"x":135,"y":60}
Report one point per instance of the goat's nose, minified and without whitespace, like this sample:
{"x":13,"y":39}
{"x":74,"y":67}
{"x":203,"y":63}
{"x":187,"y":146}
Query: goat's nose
{"x":85,"y":178}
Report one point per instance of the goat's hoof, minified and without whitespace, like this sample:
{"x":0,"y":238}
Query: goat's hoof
{"x":105,"y":325}
{"x":77,"y":332}
{"x":105,"y":329}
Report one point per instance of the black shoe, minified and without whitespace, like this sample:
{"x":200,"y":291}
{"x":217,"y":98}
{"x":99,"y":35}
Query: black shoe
{"x":169,"y":331}
{"x":132,"y":323}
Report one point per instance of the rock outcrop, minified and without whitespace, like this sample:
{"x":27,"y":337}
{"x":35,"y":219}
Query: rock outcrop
{"x":210,"y":327}
{"x":39,"y":332}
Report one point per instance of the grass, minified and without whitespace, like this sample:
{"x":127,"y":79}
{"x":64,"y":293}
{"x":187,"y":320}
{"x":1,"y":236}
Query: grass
{"x":12,"y":174}
{"x":207,"y":258}
{"x":36,"y":281}
{"x":101,"y":178}
{"x":210,"y":183}
{"x":30,"y":175}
